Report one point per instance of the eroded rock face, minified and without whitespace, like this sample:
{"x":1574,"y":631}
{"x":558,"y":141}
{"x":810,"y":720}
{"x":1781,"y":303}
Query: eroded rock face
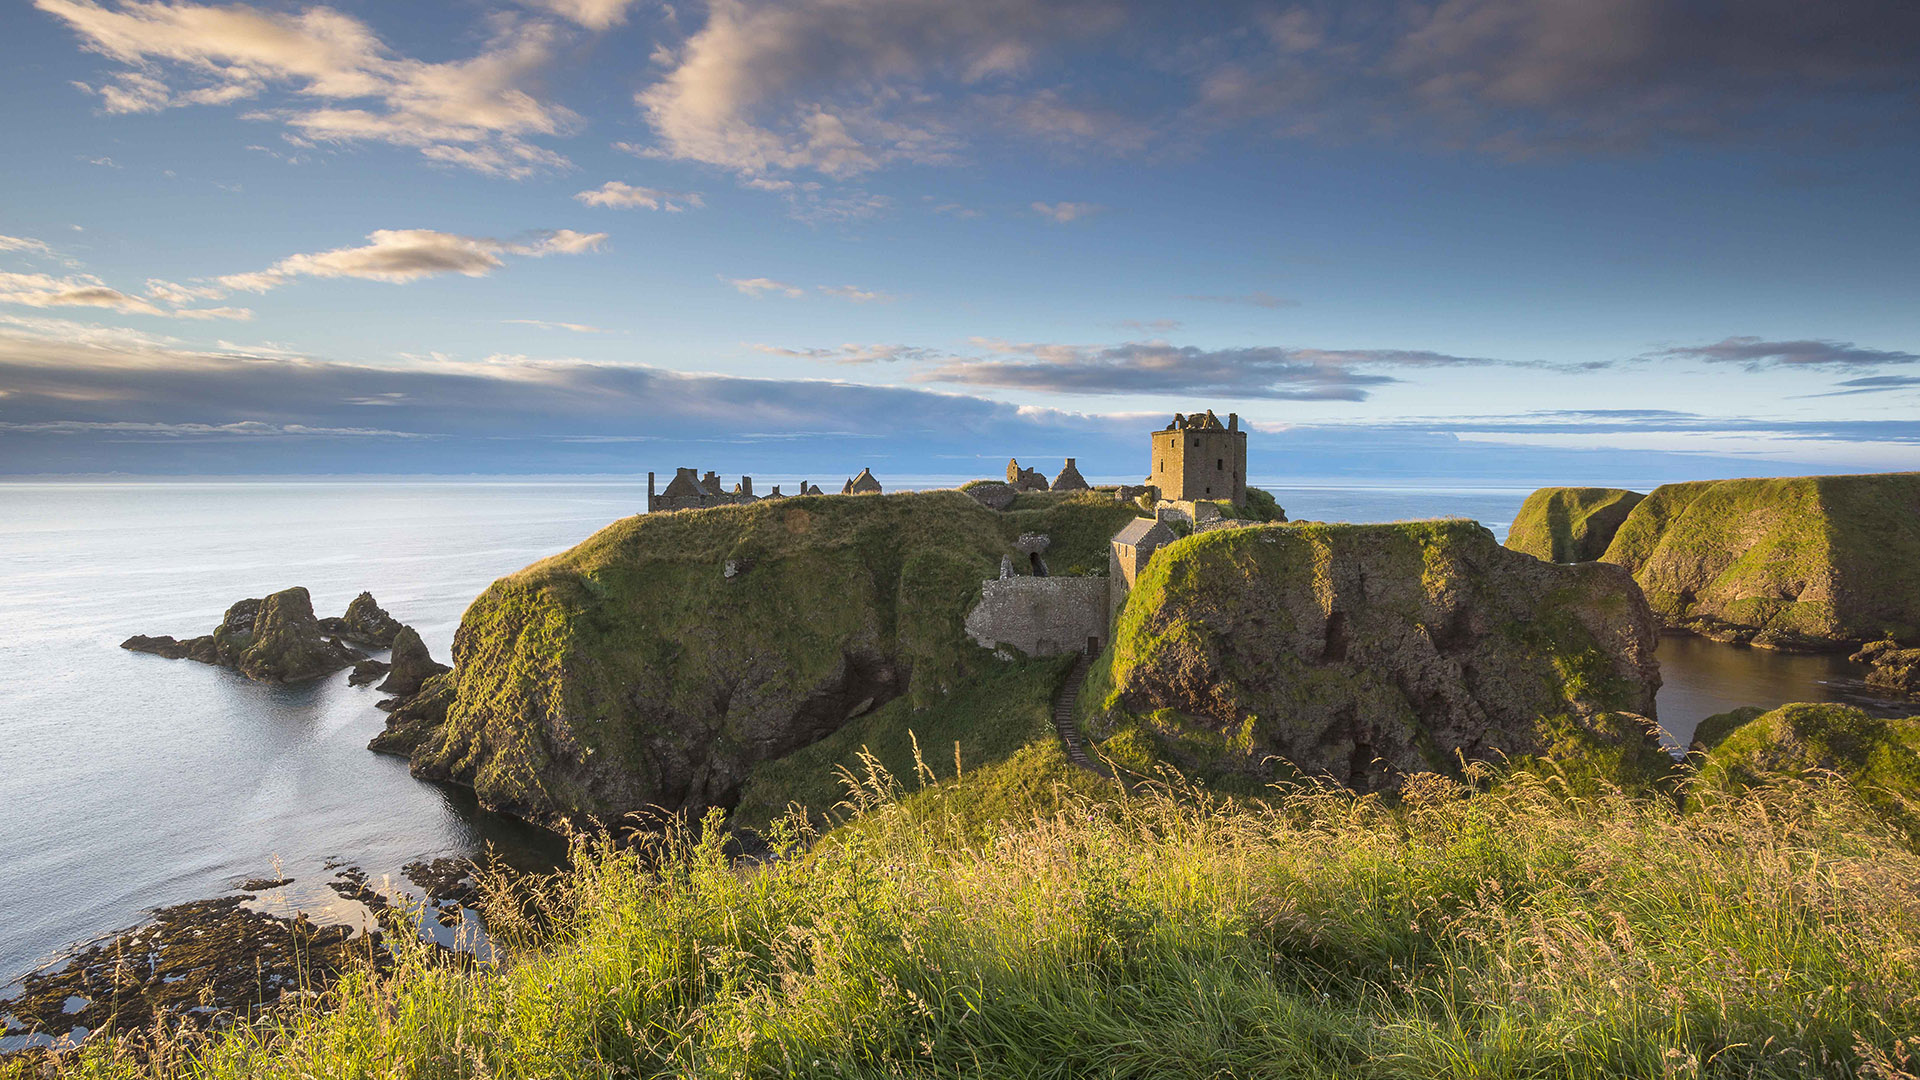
{"x":410,"y":666}
{"x":273,"y":639}
{"x":1793,"y":563}
{"x":631,"y":672}
{"x":365,"y":624}
{"x":1366,"y":653}
{"x":1894,"y":668}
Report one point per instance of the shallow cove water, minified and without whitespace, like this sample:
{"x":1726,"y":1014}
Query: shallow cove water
{"x":130,"y":782}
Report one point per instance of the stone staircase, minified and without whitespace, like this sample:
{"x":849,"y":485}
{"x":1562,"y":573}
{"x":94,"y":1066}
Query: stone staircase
{"x":1063,"y":722}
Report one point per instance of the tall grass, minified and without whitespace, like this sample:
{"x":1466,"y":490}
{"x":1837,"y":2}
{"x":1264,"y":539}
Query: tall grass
{"x":1457,"y":933}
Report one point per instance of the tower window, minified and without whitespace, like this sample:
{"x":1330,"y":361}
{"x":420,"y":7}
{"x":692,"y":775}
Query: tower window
{"x":1219,"y":464}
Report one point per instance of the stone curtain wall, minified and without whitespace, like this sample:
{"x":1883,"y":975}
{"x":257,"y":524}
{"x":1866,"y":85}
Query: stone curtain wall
{"x":1040,"y":616}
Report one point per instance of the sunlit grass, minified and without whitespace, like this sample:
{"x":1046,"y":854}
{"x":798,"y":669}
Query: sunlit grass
{"x":1460,"y":932}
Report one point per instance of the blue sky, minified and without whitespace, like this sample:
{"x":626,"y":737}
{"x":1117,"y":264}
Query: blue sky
{"x":1619,"y":240}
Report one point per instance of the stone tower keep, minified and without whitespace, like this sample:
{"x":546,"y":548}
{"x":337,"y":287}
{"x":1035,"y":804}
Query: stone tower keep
{"x":1197,"y":458}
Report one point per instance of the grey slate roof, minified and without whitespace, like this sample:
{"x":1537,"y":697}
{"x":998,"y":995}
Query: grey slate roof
{"x":1143,"y":532}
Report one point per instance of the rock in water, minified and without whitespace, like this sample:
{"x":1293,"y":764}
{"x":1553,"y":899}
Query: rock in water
{"x":277,"y":639}
{"x":1894,"y":668}
{"x":1564,"y":525}
{"x":366,"y":624}
{"x":411,"y":665}
{"x":274,"y":639}
{"x":1365,"y":653}
{"x":367,"y":671}
{"x":1808,"y":562}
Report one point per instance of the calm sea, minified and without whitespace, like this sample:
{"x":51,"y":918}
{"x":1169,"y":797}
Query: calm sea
{"x":129,"y":782}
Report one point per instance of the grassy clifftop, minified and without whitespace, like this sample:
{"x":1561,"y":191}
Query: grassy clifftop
{"x":1371,"y":652}
{"x":1797,"y":561}
{"x":1563,"y":525}
{"x":666,"y":658}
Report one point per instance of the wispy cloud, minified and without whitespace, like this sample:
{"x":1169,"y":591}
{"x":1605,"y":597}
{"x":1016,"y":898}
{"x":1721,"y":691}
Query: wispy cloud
{"x":623,"y":196}
{"x":402,"y":255}
{"x":578,"y":328}
{"x":26,"y":244}
{"x":856,"y":294}
{"x":1064,"y":212}
{"x":855,"y":354}
{"x":592,"y":14}
{"x":1755,"y":353}
{"x":475,"y":113}
{"x":1256,"y":298}
{"x":86,"y":290}
{"x":763,"y":286}
{"x":1873,"y":384}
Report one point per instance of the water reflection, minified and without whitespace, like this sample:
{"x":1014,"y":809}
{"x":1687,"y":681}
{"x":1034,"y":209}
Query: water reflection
{"x":1700,"y":678}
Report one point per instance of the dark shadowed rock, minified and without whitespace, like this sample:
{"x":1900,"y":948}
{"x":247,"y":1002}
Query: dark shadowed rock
{"x":410,"y":666}
{"x":200,"y":648}
{"x":412,"y":720}
{"x":367,"y":671}
{"x":1894,"y":668}
{"x":272,"y":639}
{"x":366,"y":624}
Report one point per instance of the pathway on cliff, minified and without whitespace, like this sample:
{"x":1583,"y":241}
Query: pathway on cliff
{"x":1063,"y":722}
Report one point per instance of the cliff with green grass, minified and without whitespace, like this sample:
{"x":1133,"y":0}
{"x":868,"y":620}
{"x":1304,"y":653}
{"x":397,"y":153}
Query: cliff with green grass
{"x":671,"y":658}
{"x":1367,"y":653}
{"x":1879,"y":758}
{"x":1796,"y":562}
{"x":1564,"y":525}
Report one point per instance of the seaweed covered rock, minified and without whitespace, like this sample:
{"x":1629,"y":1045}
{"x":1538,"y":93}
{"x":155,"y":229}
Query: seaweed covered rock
{"x":272,"y":639}
{"x":1565,"y":524}
{"x":1892,"y":667}
{"x":1366,"y":653}
{"x":365,"y":623}
{"x":634,"y":671}
{"x":1879,"y":757}
{"x":413,"y":719}
{"x":1810,"y":562}
{"x":410,"y":666}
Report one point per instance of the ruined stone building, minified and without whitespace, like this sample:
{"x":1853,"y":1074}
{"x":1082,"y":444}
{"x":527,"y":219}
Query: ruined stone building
{"x":1024,"y":479}
{"x":864,"y":484}
{"x":1070,"y":479}
{"x":1132,"y":548}
{"x":1196,"y":459}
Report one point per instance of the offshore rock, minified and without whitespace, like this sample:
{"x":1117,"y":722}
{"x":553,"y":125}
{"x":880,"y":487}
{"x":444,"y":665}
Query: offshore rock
{"x":1564,"y":524}
{"x":272,"y":639}
{"x":366,"y":624}
{"x":1894,"y":668}
{"x":366,"y":671}
{"x":1796,"y":563}
{"x":410,"y":666}
{"x":1366,"y":653}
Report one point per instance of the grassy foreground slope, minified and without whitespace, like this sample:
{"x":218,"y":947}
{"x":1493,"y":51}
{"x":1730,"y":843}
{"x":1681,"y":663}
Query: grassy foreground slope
{"x":666,"y":658}
{"x":1563,"y":525}
{"x":1315,"y":933}
{"x":1797,"y":561}
{"x":1368,"y":653}
{"x":1879,"y":757}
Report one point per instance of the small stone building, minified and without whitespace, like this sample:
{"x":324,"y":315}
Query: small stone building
{"x":1070,"y":479}
{"x":864,"y":484}
{"x":1197,"y":459}
{"x":1132,"y":548}
{"x":688,"y":490}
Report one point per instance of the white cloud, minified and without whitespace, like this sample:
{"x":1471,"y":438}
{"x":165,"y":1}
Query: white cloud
{"x":475,"y":112}
{"x":85,"y":290}
{"x":26,"y":244}
{"x":1064,"y":212}
{"x":761,"y":286}
{"x":840,"y":86}
{"x":578,"y":328}
{"x":628,"y":197}
{"x":855,"y":354}
{"x":402,"y":255}
{"x":174,"y":293}
{"x":592,"y":14}
{"x":857,"y":294}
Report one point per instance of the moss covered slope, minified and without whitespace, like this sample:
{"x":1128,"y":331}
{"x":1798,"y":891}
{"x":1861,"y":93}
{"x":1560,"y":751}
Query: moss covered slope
{"x":1563,"y":525}
{"x":1806,"y":561}
{"x":1368,"y":652}
{"x":664,"y":659}
{"x":1879,"y":757}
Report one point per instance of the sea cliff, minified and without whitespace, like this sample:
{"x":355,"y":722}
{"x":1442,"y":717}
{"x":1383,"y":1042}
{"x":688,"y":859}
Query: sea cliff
{"x":1367,"y":653}
{"x":1809,"y":562}
{"x":1566,"y":524}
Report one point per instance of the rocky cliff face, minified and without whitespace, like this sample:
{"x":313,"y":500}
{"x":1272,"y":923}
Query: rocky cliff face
{"x":660,"y":661}
{"x":410,"y":665}
{"x":273,"y":639}
{"x":1565,"y":525}
{"x":1800,"y":562}
{"x":1365,"y":653}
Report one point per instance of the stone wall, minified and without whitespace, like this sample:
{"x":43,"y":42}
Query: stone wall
{"x":1040,"y":616}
